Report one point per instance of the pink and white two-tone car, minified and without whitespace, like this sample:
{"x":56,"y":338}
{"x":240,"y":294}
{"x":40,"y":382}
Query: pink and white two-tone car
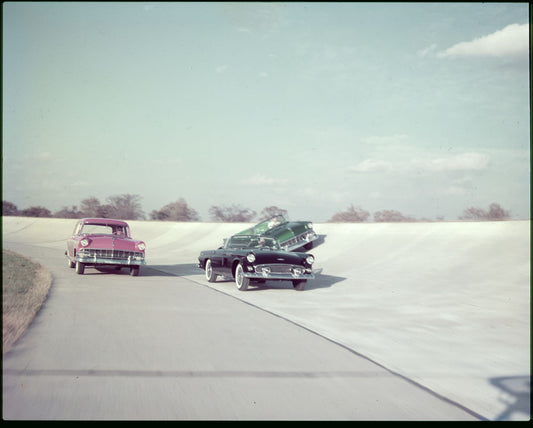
{"x":99,"y":242}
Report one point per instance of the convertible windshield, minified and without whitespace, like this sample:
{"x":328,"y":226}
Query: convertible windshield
{"x":268,"y":224}
{"x":252,"y":241}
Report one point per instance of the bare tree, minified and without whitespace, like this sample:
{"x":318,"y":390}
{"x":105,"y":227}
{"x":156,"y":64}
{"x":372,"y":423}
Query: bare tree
{"x":126,"y":207}
{"x":231,"y":214}
{"x":175,"y":211}
{"x":269,"y":212}
{"x":36,"y":212}
{"x":391,"y":216}
{"x":9,"y":208}
{"x":68,"y":212}
{"x":495,"y":213}
{"x":107,"y":211}
{"x":91,"y":207}
{"x":351,"y":215}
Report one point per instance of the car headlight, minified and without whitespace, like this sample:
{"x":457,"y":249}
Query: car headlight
{"x":310,"y":260}
{"x":251,"y":257}
{"x":298,"y":271}
{"x":141,"y":246}
{"x":84,"y":242}
{"x":309,"y":225}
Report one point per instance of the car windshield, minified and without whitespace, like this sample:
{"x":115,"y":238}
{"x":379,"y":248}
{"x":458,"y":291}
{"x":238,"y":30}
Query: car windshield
{"x":252,"y":242}
{"x":103,"y":229}
{"x":269,"y":224}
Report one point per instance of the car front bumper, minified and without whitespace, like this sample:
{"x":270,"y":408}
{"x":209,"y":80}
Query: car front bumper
{"x":279,"y":272}
{"x":299,"y":241}
{"x":109,"y":261}
{"x":278,"y":276}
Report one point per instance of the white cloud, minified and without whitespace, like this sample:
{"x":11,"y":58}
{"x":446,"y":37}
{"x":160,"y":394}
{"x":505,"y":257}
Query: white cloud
{"x":464,"y":162}
{"x":371,"y":165}
{"x":425,"y":52}
{"x":221,"y":68}
{"x":455,"y":191}
{"x":334,"y":196}
{"x":44,"y":156}
{"x":263,"y":180}
{"x":512,"y":41}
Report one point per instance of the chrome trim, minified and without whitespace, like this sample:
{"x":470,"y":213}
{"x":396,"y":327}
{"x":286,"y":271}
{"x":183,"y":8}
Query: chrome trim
{"x":299,"y":241}
{"x":278,"y":276}
{"x":101,"y":261}
{"x":110,"y":256}
{"x":279,"y":271}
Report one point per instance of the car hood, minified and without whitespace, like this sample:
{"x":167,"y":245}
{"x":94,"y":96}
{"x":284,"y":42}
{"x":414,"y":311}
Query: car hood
{"x":112,"y":242}
{"x":296,"y":227}
{"x":262,"y":256}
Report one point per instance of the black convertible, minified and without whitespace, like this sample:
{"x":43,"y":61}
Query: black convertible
{"x":247,"y":258}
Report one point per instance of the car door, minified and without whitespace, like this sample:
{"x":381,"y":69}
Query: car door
{"x":227,"y":254}
{"x":73,"y":240}
{"x":216,"y":258}
{"x":226,"y":262}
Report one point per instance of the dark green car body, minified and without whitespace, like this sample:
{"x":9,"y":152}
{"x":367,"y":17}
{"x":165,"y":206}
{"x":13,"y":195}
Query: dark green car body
{"x":291,"y":235}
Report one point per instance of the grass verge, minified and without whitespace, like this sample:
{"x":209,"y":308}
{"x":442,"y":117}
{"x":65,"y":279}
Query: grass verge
{"x":25,"y":285}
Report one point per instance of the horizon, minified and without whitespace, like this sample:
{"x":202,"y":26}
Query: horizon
{"x":257,"y":217}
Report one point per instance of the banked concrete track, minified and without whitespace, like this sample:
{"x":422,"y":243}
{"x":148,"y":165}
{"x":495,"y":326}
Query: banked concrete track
{"x":442,"y":307}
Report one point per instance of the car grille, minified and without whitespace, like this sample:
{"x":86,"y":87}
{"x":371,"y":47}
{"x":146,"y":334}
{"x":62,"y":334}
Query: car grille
{"x":296,"y":240}
{"x":110,"y":254}
{"x":275,"y":268}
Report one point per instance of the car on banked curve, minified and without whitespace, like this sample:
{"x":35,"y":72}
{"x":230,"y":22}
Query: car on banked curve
{"x":255,"y":258}
{"x":291,"y":235}
{"x":103,"y":242}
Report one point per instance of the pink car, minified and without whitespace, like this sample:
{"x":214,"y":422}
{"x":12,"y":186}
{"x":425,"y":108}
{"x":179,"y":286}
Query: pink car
{"x":101,"y":242}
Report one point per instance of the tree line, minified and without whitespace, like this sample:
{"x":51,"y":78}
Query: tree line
{"x":128,"y":207}
{"x":356,"y":214}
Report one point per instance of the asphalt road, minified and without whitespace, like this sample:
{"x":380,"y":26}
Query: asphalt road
{"x":110,"y":346}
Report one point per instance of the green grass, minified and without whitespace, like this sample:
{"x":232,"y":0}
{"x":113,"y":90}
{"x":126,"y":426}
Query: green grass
{"x":25,"y":285}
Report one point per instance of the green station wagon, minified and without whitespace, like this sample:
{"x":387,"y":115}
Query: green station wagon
{"x":291,"y":235}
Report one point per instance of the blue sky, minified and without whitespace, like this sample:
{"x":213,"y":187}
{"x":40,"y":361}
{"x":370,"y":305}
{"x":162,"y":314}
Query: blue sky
{"x":312,"y":107}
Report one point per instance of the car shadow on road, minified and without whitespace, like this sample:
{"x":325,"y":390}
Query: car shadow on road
{"x":171,"y":270}
{"x":103,"y":270}
{"x":319,"y":241}
{"x":320,"y":281}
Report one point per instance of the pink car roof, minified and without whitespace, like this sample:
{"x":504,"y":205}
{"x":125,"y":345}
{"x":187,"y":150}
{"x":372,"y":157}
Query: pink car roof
{"x":103,"y":221}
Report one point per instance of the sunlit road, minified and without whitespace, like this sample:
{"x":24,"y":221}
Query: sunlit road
{"x":158,"y":346}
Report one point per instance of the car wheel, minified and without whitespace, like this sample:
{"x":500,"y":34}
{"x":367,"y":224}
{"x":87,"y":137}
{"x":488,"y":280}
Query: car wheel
{"x":209,"y":274}
{"x":80,"y":268}
{"x":309,"y":245}
{"x":134,"y":271}
{"x":70,"y":263}
{"x":298,"y":284}
{"x":240,"y":280}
